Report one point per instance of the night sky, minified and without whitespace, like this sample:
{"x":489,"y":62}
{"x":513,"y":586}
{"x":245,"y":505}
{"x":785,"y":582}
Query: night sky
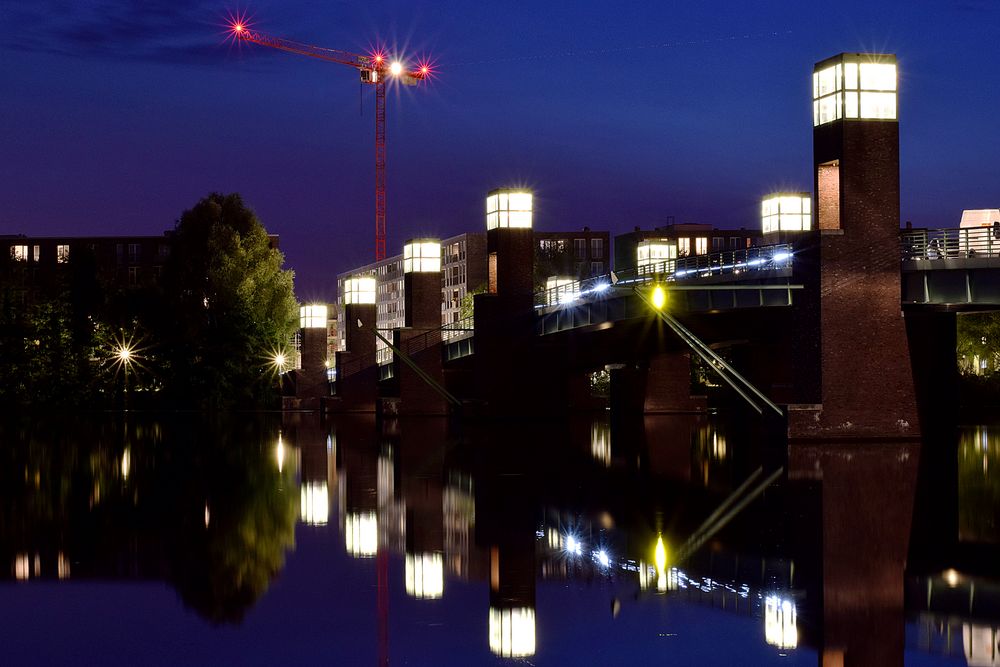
{"x":116,"y":116}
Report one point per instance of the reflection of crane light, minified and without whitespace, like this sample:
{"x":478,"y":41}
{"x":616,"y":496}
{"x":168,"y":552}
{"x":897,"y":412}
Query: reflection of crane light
{"x":573,"y":545}
{"x":512,"y":632}
{"x":424,"y":575}
{"x":780,"y":627}
{"x":314,"y":503}
{"x":603,"y":559}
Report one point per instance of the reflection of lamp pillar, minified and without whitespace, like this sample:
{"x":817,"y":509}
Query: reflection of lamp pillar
{"x":864,"y":385}
{"x":512,"y":599}
{"x":422,"y":295}
{"x":311,"y":377}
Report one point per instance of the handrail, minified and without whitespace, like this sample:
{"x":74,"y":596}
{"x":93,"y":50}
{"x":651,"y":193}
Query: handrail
{"x":730,"y":262}
{"x":410,"y":346}
{"x":950,"y":243}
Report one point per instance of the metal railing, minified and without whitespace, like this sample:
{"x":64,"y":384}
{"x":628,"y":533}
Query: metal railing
{"x":731,"y":262}
{"x":445,"y":333}
{"x":953,"y":243}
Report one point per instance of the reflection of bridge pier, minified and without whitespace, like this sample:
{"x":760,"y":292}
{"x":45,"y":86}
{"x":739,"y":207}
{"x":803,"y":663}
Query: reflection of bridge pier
{"x":421,"y":456}
{"x":867,"y":493}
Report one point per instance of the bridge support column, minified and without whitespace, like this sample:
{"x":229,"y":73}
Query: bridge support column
{"x":356,"y":387}
{"x":668,"y":385}
{"x":504,"y":317}
{"x":310,"y":379}
{"x":420,"y":340}
{"x":853,"y":286}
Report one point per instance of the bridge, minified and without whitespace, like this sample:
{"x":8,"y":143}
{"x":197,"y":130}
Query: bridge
{"x":837,"y":321}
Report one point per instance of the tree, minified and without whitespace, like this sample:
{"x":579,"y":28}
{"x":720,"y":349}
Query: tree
{"x":227,"y":304}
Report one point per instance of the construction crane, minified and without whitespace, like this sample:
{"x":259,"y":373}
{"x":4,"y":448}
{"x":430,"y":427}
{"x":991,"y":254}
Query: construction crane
{"x":376,"y":69}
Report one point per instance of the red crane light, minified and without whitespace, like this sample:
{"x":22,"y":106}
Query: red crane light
{"x":374,"y":70}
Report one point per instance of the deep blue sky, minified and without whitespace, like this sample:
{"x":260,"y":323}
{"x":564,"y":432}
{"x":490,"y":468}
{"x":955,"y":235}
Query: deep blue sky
{"x":116,"y":116}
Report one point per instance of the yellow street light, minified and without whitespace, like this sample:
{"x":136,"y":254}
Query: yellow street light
{"x":658,"y":297}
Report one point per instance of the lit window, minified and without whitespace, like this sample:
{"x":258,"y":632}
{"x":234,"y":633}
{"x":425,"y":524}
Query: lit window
{"x":62,"y":254}
{"x":561,"y":289}
{"x":509,"y":208}
{"x":683,"y":246}
{"x":37,"y":252}
{"x":19,"y":253}
{"x":701,"y":245}
{"x":656,"y":255}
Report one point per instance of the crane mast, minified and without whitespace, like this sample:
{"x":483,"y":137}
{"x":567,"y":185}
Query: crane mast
{"x":375,"y":70}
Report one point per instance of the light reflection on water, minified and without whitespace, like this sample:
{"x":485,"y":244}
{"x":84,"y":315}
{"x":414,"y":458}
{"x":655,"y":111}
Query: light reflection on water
{"x":439,"y":511}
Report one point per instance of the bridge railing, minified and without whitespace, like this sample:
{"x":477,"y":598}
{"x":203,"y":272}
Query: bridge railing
{"x":731,"y":262}
{"x":953,"y":243}
{"x":451,"y":331}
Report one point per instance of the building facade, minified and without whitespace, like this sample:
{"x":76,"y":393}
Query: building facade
{"x":463,"y":269}
{"x":690,"y":239}
{"x":30,"y":265}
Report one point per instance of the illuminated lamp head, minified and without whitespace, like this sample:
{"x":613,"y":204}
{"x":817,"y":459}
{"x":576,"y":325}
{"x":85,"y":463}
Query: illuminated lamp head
{"x":396,"y":68}
{"x":658,"y":297}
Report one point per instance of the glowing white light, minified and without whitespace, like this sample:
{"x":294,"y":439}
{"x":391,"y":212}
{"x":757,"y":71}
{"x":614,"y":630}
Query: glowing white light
{"x":656,"y":255}
{"x":951,"y":577}
{"x":779,"y":257}
{"x":512,"y":632}
{"x":600,"y":287}
{"x":360,"y":289}
{"x":312,"y":317}
{"x":787,"y":212}
{"x":422,"y":256}
{"x":361,"y":534}
{"x":424,"y":575}
{"x":279,"y":453}
{"x":314,"y":506}
{"x":600,"y":443}
{"x":126,"y":463}
{"x":396,"y":68}
{"x":561,"y":289}
{"x":603,"y":558}
{"x":509,"y":208}
{"x":859,"y":87}
{"x":22,"y":567}
{"x":780,"y":625}
{"x":573,"y":545}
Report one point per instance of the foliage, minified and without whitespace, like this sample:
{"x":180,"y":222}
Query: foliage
{"x":227,"y":304}
{"x":467,"y":307}
{"x":979,"y":340}
{"x":201,"y":336}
